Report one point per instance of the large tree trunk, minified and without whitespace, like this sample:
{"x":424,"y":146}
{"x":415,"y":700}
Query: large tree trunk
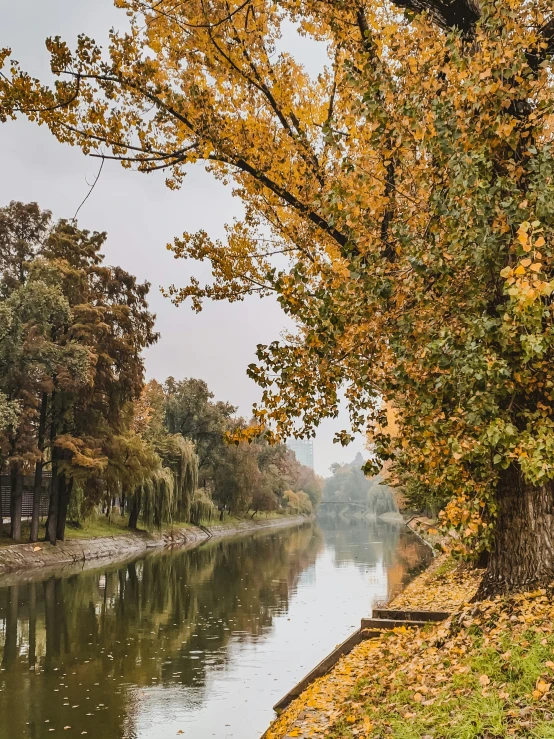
{"x":52,"y":521}
{"x":123,"y":499}
{"x":135,"y":509}
{"x":16,"y":502}
{"x":64,"y":496}
{"x":522,"y":556}
{"x":37,"y":490}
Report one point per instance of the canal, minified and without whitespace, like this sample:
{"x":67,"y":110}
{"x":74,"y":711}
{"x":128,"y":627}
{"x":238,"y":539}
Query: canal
{"x":196,"y":643}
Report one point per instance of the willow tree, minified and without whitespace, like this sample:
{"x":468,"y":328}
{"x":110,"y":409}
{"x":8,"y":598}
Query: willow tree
{"x":167,"y":490}
{"x":410,"y":186}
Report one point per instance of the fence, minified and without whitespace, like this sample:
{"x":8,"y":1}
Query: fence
{"x":28,"y":487}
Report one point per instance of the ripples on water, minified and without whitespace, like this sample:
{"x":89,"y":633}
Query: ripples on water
{"x":202,"y":641}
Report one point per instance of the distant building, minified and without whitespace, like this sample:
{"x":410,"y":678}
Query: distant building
{"x":304,"y":450}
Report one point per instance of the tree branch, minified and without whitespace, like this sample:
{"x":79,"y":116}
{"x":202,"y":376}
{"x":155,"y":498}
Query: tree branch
{"x":287,"y":196}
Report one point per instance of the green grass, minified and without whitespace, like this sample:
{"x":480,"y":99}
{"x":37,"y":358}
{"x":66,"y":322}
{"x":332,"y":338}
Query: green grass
{"x":447,"y":566}
{"x":99,"y":525}
{"x":340,"y":730}
{"x":461,"y":710}
{"x":94,"y":527}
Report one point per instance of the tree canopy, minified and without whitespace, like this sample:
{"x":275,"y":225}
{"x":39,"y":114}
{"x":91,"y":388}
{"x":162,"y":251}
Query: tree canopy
{"x":409,"y":185}
{"x":70,"y":357}
{"x":75,"y":409}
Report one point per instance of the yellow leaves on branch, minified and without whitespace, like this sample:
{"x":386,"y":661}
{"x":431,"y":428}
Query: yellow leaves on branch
{"x":380,"y":198}
{"x":523,"y":282}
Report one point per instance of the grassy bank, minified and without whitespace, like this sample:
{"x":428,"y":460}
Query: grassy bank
{"x":93,"y":528}
{"x":100,"y":526}
{"x":486,"y":672}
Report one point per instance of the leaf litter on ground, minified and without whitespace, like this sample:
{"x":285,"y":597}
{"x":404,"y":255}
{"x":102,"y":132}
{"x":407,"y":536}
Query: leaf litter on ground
{"x":486,"y":672}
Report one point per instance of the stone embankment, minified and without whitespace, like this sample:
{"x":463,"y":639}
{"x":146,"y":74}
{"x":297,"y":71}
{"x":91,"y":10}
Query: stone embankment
{"x":23,"y":559}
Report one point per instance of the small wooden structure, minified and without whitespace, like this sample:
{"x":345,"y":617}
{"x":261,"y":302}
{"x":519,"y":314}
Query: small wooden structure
{"x":383,"y":619}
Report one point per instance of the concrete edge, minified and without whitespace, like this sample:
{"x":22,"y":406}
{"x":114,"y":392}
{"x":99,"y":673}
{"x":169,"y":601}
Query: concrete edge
{"x":25,"y":561}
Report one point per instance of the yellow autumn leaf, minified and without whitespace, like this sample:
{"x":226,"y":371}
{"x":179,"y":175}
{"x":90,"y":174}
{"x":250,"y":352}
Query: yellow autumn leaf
{"x":484,"y":680}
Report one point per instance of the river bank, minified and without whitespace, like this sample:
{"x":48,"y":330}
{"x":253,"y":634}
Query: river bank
{"x":487,"y":671}
{"x":23,"y":558}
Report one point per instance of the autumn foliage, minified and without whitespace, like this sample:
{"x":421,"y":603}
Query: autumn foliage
{"x":407,"y":196}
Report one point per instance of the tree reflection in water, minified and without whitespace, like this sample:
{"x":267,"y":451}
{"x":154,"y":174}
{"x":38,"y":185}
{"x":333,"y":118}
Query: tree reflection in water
{"x":81,"y":639}
{"x":84,"y":649}
{"x":373,"y":542}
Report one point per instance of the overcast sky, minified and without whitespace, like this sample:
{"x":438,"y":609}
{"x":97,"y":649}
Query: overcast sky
{"x":141,"y":215}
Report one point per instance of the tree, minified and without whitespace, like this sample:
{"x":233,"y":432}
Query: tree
{"x":33,"y":312}
{"x":237,"y":479}
{"x":410,"y":185}
{"x":28,"y":319}
{"x":349,"y":484}
{"x":9,"y":411}
{"x":191,"y":411}
{"x":23,"y":229}
{"x":111,"y":318}
{"x":167,"y":490}
{"x":298,"y":503}
{"x":281,"y":471}
{"x":70,"y":356}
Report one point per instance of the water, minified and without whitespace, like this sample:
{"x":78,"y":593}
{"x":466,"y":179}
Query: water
{"x":198,"y":643}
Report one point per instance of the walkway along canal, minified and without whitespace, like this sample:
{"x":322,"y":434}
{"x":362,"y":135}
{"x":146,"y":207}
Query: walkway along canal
{"x":199,"y":642}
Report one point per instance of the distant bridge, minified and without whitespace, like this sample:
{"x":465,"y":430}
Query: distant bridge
{"x":365,"y":506}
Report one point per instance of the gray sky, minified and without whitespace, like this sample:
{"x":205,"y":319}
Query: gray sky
{"x":141,"y":215}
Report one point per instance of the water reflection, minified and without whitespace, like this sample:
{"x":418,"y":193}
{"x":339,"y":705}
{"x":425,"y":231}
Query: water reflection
{"x":400,"y":554}
{"x":201,"y":641}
